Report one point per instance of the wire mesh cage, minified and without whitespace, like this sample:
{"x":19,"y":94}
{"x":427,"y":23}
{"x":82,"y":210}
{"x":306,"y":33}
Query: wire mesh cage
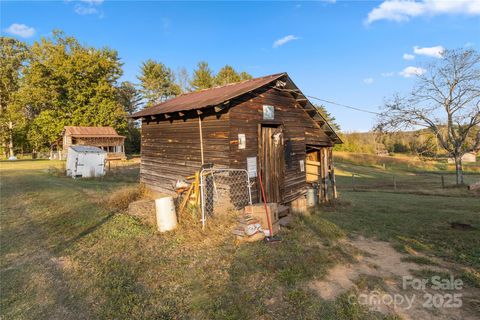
{"x":223,"y":190}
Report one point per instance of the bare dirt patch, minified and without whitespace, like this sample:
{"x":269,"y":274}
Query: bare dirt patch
{"x":379,"y":260}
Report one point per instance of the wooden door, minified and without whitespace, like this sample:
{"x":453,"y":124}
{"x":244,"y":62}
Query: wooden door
{"x":271,"y":160}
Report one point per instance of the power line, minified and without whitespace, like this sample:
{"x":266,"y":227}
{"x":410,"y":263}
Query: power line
{"x":344,"y":105}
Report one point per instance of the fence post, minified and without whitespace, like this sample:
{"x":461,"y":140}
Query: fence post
{"x":443,"y":182}
{"x":394,"y":183}
{"x":353,"y":181}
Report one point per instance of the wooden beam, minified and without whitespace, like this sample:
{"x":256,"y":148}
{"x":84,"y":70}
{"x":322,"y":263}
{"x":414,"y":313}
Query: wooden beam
{"x":219,"y":108}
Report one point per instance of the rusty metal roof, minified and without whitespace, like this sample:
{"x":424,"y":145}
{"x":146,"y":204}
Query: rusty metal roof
{"x":218,"y":95}
{"x":207,"y":97}
{"x":108,"y":132}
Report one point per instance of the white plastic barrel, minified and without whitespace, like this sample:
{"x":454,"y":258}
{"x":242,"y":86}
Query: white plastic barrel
{"x":166,"y":216}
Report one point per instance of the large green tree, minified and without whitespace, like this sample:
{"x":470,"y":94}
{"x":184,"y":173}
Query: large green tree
{"x":157,"y":82}
{"x":245,"y":76}
{"x":203,"y":77}
{"x":130,"y":99}
{"x":328,"y":116}
{"x":67,"y":83}
{"x":14,"y":55}
{"x":226,"y":75}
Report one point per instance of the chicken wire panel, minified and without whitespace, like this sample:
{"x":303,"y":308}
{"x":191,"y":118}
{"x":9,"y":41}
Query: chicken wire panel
{"x":223,"y":190}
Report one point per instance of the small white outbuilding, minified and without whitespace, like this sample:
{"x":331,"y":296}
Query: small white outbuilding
{"x":85,"y":162}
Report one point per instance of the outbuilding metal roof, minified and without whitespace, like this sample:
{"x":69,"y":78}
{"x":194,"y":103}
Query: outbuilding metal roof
{"x":107,"y":132}
{"x":219,"y":95}
{"x":87,"y":149}
{"x":207,"y":97}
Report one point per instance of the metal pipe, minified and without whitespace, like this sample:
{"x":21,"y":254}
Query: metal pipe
{"x":203,"y":199}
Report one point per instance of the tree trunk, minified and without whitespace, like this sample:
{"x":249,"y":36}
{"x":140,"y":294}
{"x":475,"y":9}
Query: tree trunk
{"x":10,"y":143}
{"x":458,"y":168}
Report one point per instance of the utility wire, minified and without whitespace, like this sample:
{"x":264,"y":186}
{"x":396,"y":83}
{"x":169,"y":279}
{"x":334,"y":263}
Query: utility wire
{"x":344,"y":105}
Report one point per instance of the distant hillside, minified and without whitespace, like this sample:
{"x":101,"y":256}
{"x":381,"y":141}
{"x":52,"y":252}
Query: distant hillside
{"x":420,"y":143}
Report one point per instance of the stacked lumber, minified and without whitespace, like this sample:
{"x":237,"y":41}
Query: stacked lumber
{"x":258,"y":212}
{"x":248,"y":229}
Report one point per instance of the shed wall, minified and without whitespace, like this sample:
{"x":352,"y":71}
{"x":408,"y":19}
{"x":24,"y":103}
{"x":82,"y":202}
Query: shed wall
{"x":171,"y":149}
{"x":298,"y":127}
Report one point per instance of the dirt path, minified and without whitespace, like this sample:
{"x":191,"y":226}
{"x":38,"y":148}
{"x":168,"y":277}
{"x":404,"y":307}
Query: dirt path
{"x":381,"y":265}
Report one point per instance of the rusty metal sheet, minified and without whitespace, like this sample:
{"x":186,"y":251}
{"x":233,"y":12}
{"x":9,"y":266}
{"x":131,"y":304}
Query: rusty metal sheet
{"x":91,"y":131}
{"x":207,"y":97}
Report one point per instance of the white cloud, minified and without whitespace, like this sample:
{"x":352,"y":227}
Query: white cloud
{"x":282,"y":41}
{"x":403,"y":10}
{"x":407,"y":56}
{"x":387,"y":74}
{"x":469,"y":44}
{"x":86,"y":7}
{"x":84,"y":10}
{"x":412,"y":71}
{"x":21,"y":30}
{"x":436,"y":52}
{"x":368,"y":80}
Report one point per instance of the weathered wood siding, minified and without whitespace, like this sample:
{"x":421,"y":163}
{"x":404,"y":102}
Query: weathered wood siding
{"x":298,"y":127}
{"x":171,"y":149}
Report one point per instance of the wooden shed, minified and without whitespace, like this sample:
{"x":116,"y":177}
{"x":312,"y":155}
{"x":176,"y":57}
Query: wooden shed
{"x":105,"y":138}
{"x":265,"y":122}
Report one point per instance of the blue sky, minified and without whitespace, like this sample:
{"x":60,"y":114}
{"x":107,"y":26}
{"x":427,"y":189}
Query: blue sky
{"x":355,"y":53}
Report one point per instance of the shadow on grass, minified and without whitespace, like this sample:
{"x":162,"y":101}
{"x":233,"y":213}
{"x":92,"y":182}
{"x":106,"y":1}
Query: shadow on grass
{"x":70,"y":242}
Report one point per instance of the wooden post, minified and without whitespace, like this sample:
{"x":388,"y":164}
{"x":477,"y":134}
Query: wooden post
{"x":324,"y":173}
{"x":394,"y":183}
{"x":332,"y":175}
{"x":201,"y":138}
{"x":319,"y":176}
{"x":443,"y":182}
{"x":353,"y":181}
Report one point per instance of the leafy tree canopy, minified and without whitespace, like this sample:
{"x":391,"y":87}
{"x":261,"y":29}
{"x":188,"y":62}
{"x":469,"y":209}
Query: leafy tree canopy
{"x":69,"y":84}
{"x":203,"y":77}
{"x":13,"y":54}
{"x":129,"y":97}
{"x":226,"y":75}
{"x":157,"y":82}
{"x":328,"y":116}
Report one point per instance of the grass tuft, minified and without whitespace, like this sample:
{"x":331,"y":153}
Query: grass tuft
{"x":121,"y":198}
{"x":419,"y":260}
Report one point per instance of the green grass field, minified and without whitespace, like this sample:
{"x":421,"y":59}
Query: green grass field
{"x":67,"y":254}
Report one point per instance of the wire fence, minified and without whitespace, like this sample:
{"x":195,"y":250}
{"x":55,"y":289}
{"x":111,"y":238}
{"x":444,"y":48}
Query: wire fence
{"x":223,"y":190}
{"x":405,"y":182}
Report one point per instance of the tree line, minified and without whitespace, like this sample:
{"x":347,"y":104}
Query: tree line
{"x":421,"y":143}
{"x":57,"y":82}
